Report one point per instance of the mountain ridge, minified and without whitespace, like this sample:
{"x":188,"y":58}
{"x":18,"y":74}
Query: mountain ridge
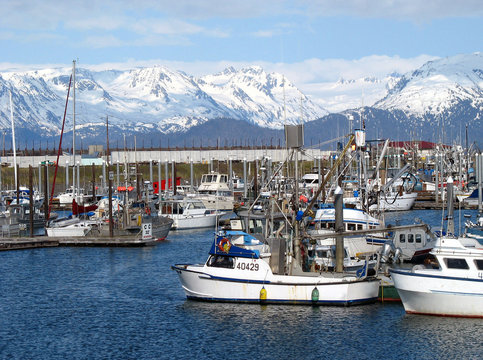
{"x":436,"y":101}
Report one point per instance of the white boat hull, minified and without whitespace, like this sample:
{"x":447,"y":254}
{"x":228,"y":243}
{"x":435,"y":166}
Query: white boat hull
{"x":229,"y":286}
{"x":439,"y":295}
{"x":68,"y":231}
{"x":193,"y":222}
{"x":396,"y":203}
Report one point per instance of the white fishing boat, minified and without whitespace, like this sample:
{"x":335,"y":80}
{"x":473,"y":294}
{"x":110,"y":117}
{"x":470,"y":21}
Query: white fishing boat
{"x":241,"y":268}
{"x":187,"y":213}
{"x":414,"y":243}
{"x":215,"y":192}
{"x":450,"y":285}
{"x":70,"y":194}
{"x":354,"y":219}
{"x":322,"y":257}
{"x":451,"y":281}
{"x":395,"y":201}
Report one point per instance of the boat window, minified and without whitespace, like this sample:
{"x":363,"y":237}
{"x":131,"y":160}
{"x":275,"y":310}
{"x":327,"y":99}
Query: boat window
{"x":455,"y":263}
{"x":410,"y":238}
{"x":418,"y":238}
{"x":351,"y":227}
{"x":331,"y":225}
{"x":402,"y":238}
{"x":223,"y":179}
{"x":323,"y":254}
{"x":221,"y":261}
{"x":479,"y":264}
{"x":256,"y":226}
{"x":198,"y":205}
{"x":359,"y":226}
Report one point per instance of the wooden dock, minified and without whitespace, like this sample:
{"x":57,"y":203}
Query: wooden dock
{"x":27,"y":243}
{"x":44,"y":241}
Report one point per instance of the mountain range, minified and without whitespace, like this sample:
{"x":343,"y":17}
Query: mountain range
{"x":160,"y":107}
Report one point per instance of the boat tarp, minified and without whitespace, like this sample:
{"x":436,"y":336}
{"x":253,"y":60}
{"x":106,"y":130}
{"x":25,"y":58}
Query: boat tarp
{"x":223,"y":246}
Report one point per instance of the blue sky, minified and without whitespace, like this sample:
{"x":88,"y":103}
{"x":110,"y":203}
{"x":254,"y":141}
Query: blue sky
{"x":308,"y":40}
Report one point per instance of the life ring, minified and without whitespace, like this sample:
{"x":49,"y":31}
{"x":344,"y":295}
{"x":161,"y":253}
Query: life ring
{"x":224,"y":245}
{"x":148,"y":210}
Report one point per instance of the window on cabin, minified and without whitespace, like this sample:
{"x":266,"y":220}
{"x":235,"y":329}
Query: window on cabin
{"x":418,"y":238}
{"x":402,"y":238}
{"x":351,"y":227}
{"x":221,"y":261}
{"x":359,"y":226}
{"x":479,"y":264}
{"x":410,"y":238}
{"x":256,"y":226}
{"x":455,"y":263}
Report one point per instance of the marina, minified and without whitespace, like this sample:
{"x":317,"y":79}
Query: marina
{"x":67,"y":301}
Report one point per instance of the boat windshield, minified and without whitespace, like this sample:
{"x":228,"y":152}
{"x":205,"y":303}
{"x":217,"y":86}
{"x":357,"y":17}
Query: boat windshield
{"x":221,"y":261}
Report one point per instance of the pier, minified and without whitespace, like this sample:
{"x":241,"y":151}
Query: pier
{"x":44,"y":242}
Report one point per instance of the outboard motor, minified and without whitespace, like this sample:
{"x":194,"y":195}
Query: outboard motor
{"x":387,"y":251}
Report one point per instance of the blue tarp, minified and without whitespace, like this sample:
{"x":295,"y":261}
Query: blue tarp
{"x":233,"y":250}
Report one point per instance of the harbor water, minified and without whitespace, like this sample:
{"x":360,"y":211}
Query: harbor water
{"x":126,"y":303}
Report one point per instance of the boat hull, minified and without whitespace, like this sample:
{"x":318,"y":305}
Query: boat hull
{"x":194,"y":222}
{"x":439,"y":295}
{"x":200,"y":285}
{"x":396,"y":203}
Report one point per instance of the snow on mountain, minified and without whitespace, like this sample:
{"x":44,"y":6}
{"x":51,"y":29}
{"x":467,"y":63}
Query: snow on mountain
{"x":254,"y":95}
{"x":352,"y":93}
{"x":152,"y":98}
{"x":438,"y":86}
{"x":156,"y":100}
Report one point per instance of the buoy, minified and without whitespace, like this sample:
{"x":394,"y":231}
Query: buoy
{"x":263,"y":294}
{"x":315,"y":295}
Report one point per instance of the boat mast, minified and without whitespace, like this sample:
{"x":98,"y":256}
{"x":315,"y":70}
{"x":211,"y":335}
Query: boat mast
{"x":13,"y":140}
{"x":74,"y":164}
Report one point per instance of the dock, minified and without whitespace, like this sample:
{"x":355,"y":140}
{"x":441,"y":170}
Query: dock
{"x":44,"y":242}
{"x":27,"y":243}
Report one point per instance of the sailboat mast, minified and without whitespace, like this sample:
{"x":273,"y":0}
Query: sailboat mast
{"x":74,"y":164}
{"x":13,"y":139}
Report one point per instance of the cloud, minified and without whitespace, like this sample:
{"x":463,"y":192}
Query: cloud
{"x":416,"y":10}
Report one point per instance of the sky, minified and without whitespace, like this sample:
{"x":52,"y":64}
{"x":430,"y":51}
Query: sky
{"x":310,"y":41}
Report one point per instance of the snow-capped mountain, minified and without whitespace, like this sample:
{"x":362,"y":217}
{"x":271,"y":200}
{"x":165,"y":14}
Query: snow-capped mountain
{"x":151,"y":99}
{"x":438,"y":86}
{"x":434,"y":102}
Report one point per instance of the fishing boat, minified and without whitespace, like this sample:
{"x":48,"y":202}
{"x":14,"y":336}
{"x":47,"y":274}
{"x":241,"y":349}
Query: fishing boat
{"x":354,"y":219}
{"x":451,"y":284}
{"x":451,"y":281}
{"x":187,"y":213}
{"x":323,"y":257}
{"x":414,"y":243}
{"x":215,"y":192}
{"x":70,"y":194}
{"x":241,"y":268}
